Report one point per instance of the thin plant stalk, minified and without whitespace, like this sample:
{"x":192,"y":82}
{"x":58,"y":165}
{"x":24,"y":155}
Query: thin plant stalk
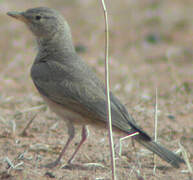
{"x":186,"y":159}
{"x":124,"y":138}
{"x":155,"y":128}
{"x":108,"y":104}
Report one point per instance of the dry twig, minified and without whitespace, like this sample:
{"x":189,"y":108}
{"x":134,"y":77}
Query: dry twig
{"x":108,"y":93}
{"x":155,"y":128}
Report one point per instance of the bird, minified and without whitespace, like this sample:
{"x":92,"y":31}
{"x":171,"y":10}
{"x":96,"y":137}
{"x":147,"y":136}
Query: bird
{"x":72,"y":89}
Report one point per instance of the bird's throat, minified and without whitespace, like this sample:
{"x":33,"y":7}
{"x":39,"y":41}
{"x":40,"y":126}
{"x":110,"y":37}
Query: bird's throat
{"x":55,"y":44}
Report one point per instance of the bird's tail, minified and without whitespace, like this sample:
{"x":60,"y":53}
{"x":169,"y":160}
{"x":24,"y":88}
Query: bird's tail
{"x":161,"y":151}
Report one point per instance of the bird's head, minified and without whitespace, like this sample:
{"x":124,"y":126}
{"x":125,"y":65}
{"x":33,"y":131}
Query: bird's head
{"x":42,"y":21}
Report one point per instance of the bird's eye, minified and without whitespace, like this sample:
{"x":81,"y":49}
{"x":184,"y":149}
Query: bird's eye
{"x":38,"y":17}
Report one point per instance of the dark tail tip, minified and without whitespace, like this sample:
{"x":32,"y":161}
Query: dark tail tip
{"x":162,"y":152}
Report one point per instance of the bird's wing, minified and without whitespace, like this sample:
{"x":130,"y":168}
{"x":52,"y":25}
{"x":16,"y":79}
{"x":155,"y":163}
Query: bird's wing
{"x":60,"y":84}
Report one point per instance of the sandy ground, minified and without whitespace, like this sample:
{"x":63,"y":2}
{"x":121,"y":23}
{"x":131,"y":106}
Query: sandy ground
{"x":150,"y":47}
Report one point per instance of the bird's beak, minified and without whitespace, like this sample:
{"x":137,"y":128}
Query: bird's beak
{"x":17,"y":15}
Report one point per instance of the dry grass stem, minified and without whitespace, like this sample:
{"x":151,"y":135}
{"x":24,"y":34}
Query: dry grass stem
{"x":186,"y":159}
{"x":155,"y":128}
{"x":113,"y":165}
{"x":124,"y":138}
{"x":33,"y":108}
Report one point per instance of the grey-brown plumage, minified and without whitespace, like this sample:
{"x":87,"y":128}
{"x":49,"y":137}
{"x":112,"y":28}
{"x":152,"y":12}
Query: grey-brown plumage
{"x":71,"y":88}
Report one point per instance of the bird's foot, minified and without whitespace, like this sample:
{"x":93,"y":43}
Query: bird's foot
{"x":51,"y":165}
{"x":86,"y":166}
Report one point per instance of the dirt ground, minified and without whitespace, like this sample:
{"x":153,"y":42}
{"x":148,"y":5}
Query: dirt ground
{"x":151,"y":46}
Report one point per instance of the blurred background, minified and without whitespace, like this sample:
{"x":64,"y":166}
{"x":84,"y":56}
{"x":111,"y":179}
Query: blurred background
{"x":151,"y":46}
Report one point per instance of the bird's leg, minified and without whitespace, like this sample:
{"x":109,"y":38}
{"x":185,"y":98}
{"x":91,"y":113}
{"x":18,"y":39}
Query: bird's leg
{"x":24,"y":132}
{"x":85,"y":134}
{"x":70,"y":165}
{"x":71,"y":133}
